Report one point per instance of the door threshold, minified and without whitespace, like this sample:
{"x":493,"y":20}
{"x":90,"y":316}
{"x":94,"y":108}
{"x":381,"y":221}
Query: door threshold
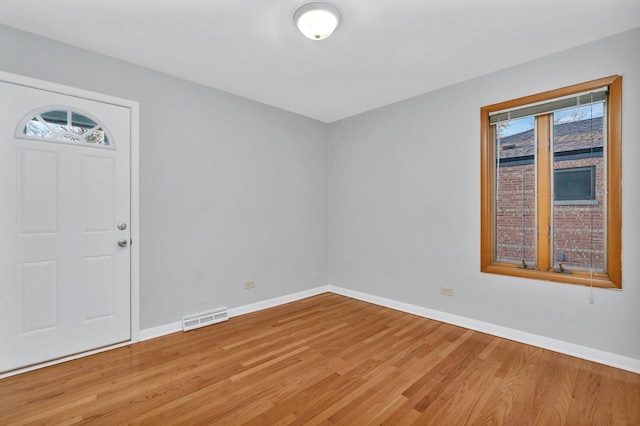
{"x":38,"y":366}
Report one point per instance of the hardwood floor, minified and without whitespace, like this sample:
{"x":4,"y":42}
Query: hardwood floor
{"x":324,"y":360}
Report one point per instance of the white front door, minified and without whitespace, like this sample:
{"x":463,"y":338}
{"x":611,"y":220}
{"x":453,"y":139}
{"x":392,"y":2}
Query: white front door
{"x":65,"y":285}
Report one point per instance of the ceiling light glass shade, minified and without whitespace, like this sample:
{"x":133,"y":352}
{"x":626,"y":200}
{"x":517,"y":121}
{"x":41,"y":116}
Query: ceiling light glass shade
{"x":317,"y":21}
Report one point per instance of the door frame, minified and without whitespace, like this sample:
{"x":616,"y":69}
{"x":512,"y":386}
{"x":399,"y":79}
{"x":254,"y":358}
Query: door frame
{"x":134,"y":111}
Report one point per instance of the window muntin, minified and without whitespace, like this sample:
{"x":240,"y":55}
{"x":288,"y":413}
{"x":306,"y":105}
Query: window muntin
{"x":65,"y":126}
{"x":550,"y":110}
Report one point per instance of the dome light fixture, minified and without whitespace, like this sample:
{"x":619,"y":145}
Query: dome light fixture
{"x":317,"y":21}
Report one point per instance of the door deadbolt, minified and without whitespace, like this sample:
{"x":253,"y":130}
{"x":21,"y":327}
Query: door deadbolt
{"x":122,"y":226}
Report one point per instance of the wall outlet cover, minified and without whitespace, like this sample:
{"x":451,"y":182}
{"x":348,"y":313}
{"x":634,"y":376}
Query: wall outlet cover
{"x":446,"y":291}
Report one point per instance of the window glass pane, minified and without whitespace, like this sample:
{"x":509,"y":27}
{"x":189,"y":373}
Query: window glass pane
{"x":79,"y":120}
{"x":55,"y":117}
{"x":35,"y":128}
{"x":97,"y":137}
{"x":515,"y":189}
{"x":579,"y":207}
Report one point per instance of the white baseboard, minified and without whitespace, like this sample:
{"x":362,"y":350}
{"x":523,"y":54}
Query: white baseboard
{"x":578,"y":351}
{"x":163,"y":330}
{"x":276,"y":301}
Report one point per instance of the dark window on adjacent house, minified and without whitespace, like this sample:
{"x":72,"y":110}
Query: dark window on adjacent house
{"x":574,"y":184}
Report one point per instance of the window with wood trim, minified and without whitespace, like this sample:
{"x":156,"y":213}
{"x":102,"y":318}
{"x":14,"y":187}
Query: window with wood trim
{"x":551,"y":190}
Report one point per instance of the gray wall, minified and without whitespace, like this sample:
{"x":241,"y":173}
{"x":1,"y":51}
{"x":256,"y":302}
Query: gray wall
{"x":230,"y":190}
{"x":404,"y":205}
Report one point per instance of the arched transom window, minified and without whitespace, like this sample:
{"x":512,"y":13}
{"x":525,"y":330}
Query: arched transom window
{"x":65,"y":126}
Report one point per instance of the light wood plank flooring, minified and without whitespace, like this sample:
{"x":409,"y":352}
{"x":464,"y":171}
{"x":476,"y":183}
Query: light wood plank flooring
{"x":325,"y":360}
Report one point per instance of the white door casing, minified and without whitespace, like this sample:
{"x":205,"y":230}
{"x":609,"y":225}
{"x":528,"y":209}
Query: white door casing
{"x":65,"y":284}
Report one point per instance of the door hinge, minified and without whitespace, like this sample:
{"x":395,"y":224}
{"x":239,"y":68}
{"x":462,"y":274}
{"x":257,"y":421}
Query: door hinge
{"x":549,"y":232}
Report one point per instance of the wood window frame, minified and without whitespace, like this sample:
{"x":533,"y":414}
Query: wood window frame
{"x":543,"y":271}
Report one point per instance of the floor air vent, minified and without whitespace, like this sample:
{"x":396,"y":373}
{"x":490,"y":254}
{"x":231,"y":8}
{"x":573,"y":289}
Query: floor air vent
{"x":205,"y":318}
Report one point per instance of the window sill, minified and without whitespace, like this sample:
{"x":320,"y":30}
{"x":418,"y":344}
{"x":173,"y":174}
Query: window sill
{"x":577,"y":277}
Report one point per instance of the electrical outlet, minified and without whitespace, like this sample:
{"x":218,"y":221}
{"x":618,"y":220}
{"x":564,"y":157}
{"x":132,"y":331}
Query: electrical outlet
{"x":446,"y":291}
{"x":249,"y":285}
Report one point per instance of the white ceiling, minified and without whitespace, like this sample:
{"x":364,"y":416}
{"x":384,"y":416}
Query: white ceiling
{"x":383,"y":51}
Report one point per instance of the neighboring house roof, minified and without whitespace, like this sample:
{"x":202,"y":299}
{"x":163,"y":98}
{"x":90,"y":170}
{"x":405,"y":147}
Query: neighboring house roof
{"x":573,"y":136}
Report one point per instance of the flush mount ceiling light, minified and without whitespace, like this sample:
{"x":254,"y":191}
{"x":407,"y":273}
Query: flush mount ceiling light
{"x":317,"y":21}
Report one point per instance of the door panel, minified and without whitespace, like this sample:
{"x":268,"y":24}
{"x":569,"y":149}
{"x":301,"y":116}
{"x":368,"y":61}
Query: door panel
{"x":37,"y":189}
{"x":38,"y":286}
{"x":64,"y":281}
{"x":98,"y":287}
{"x":98,"y":194}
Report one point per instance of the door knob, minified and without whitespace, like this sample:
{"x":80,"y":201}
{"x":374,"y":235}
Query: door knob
{"x":123,"y":243}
